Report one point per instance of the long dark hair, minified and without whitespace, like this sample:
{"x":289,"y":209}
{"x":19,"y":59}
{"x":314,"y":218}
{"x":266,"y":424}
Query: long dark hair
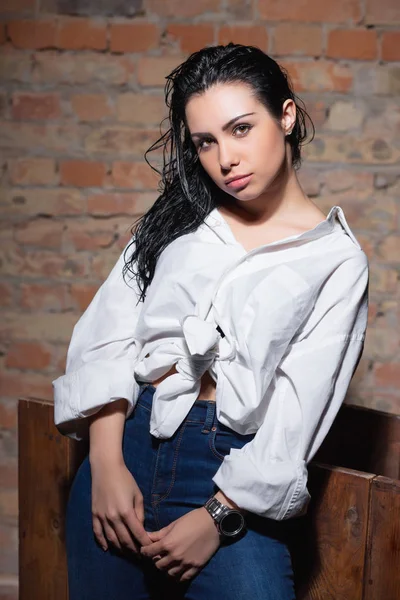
{"x":187,"y":193}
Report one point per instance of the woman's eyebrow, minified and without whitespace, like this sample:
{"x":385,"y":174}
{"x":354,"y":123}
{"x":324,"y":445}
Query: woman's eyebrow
{"x":225,"y":127}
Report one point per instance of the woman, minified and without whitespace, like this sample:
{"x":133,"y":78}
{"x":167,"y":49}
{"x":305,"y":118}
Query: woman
{"x":207,"y":385}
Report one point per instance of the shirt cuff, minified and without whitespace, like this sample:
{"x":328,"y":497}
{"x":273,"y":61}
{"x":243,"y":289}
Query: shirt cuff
{"x":84,"y":392}
{"x":279,"y":492}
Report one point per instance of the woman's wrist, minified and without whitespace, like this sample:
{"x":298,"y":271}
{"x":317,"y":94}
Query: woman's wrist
{"x":106,"y":431}
{"x":227,"y":501}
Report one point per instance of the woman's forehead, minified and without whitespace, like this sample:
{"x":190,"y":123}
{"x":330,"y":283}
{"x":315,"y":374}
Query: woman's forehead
{"x":219,"y":103}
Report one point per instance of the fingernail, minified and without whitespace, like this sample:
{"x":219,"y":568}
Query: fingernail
{"x":104,"y":548}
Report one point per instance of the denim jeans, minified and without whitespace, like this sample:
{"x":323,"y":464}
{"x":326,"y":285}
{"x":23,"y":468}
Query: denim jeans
{"x":174,"y":476}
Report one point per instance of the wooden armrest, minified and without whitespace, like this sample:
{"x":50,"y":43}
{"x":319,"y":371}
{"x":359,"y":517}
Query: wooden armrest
{"x":346,"y":548}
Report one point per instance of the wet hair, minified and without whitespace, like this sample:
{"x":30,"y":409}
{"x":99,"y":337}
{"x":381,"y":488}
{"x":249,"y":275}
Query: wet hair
{"x":187,"y":193}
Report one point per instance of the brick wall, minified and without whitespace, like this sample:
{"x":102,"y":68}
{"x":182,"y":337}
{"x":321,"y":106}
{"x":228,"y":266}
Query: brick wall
{"x":82,"y":98}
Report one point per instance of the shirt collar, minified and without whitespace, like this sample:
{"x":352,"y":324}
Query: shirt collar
{"x":334,"y":219}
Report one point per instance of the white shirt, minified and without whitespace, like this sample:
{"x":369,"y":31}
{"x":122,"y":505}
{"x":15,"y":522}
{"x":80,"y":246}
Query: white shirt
{"x":294,"y":315}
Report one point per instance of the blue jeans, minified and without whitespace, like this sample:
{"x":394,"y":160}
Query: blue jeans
{"x":174,"y":476}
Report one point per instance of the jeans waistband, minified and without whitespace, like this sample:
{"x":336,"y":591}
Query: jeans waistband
{"x":202,"y":411}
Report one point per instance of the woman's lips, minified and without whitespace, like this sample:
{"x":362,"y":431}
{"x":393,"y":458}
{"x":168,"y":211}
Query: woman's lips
{"x":239,"y":183}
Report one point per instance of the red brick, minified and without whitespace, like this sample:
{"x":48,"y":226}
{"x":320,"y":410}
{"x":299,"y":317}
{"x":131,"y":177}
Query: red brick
{"x":48,"y":264}
{"x":314,"y":11}
{"x":91,"y":107}
{"x":88,"y":235}
{"x":382,"y":12}
{"x":3,"y":35}
{"x":191,"y":37}
{"x":61,"y":359}
{"x":43,"y":263}
{"x":177,"y":8}
{"x":3,"y":105}
{"x":116,"y":140}
{"x":17,"y":5}
{"x":152,"y":70}
{"x":36,"y":33}
{"x":53,"y":67}
{"x":53,"y":137}
{"x":28,"y":355}
{"x":32,"y":171}
{"x":255,"y":35}
{"x":134,"y":37}
{"x":42,"y":201}
{"x":389,"y":248}
{"x":8,"y":414}
{"x":387,"y":375}
{"x":141,"y":108}
{"x":82,"y":294}
{"x":15,"y":384}
{"x":15,"y":65}
{"x":83,"y":173}
{"x":120,"y":204}
{"x":35,"y":106}
{"x":8,"y":474}
{"x":358,"y":44}
{"x":391,"y":45}
{"x":6,"y":294}
{"x":8,"y":543}
{"x":318,"y":76}
{"x":134,"y":175}
{"x":43,"y":297}
{"x":52,"y":327}
{"x":82,"y":34}
{"x":42,"y":233}
{"x":296,"y":38}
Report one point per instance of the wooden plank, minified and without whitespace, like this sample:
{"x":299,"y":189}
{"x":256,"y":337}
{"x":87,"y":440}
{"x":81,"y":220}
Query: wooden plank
{"x":328,"y":547}
{"x":47,"y":463}
{"x":382,"y":571}
{"x":365,"y":440}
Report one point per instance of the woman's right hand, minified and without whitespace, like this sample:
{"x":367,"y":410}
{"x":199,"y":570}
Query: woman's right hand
{"x":117,"y":507}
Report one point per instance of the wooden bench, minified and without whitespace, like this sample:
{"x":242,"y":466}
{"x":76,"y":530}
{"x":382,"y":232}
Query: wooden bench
{"x":346,"y":548}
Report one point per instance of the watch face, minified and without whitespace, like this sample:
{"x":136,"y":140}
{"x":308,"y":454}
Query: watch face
{"x":231,"y":523}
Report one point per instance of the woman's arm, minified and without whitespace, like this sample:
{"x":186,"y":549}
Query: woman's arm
{"x":101,"y":355}
{"x":117,"y":502}
{"x":106,"y":428}
{"x":268,"y":475}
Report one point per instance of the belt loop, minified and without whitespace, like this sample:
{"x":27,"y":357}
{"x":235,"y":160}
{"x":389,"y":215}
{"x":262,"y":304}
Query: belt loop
{"x":209,"y":417}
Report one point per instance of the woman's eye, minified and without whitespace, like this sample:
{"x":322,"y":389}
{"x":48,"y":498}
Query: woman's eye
{"x":246,"y":127}
{"x":201,"y":145}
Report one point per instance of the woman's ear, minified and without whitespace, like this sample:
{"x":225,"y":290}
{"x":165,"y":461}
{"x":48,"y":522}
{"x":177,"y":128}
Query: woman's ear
{"x":288,"y":116}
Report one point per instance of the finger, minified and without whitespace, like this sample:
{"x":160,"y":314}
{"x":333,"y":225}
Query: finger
{"x":158,"y":535}
{"x":139,"y":510}
{"x":98,"y":533}
{"x":151,"y":550}
{"x":136,"y":528}
{"x":189,"y":574}
{"x":177,"y":571}
{"x":167,"y":562}
{"x":125,"y":538}
{"x":110,"y":534}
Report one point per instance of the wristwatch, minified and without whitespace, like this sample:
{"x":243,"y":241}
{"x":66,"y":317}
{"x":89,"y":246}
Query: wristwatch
{"x":229,"y":522}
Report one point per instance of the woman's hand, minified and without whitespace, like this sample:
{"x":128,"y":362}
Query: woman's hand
{"x":184,"y":546}
{"x":117,"y":507}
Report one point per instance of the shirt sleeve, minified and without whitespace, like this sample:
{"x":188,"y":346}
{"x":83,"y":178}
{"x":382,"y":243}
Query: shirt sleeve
{"x":268,"y":475}
{"x":101,"y":354}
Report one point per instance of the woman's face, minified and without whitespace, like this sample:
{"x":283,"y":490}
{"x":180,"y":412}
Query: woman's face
{"x":234,"y":134}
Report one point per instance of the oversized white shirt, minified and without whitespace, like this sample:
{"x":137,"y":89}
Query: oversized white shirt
{"x":293,"y":315}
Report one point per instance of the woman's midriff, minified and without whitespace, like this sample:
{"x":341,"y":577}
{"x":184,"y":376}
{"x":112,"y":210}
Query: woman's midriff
{"x":207,"y":385}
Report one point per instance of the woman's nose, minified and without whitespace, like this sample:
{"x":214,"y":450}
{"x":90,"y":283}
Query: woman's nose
{"x":227,"y":157}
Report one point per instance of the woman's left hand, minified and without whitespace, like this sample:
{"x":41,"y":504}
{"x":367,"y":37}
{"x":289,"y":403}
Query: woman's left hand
{"x":184,"y":546}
